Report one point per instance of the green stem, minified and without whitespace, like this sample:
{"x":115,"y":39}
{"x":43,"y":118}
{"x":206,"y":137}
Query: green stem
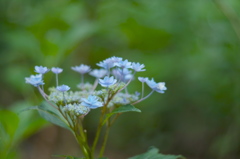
{"x":82,"y":79}
{"x":100,"y":124}
{"x":65,"y":117}
{"x":79,"y":134}
{"x":104,"y":141}
{"x":114,"y":119}
{"x":82,"y":139}
{"x":109,"y":124}
{"x":56,"y":79}
{"x":142,"y":89}
{"x":98,"y":132}
{"x":95,"y":85}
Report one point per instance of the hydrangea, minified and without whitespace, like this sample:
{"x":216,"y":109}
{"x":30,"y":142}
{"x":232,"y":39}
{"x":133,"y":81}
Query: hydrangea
{"x":63,"y":88}
{"x":35,"y":80}
{"x":107,"y":81}
{"x":115,"y":59}
{"x":98,"y":73}
{"x":115,"y":74}
{"x":106,"y":64}
{"x":56,"y":70}
{"x":142,"y":79}
{"x":138,"y":67}
{"x":123,"y":99}
{"x":124,"y":64}
{"x":91,"y":102}
{"x":76,"y":109}
{"x":82,"y":69}
{"x":158,"y":87}
{"x":123,"y":75}
{"x":137,"y":93}
{"x":69,"y":97}
{"x":41,"y":69}
{"x":109,"y":62}
{"x":86,"y":86}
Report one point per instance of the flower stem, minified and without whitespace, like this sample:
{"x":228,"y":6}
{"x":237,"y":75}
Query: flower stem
{"x":83,"y":147}
{"x":100,"y":124}
{"x":64,"y":99}
{"x":98,"y":132}
{"x":126,"y":90}
{"x":82,"y":79}
{"x":56,"y":79}
{"x":82,"y":139}
{"x":95,"y":85}
{"x":66,"y":117}
{"x":143,"y":98}
{"x":142,"y":89}
{"x":104,"y":141}
{"x":45,"y":97}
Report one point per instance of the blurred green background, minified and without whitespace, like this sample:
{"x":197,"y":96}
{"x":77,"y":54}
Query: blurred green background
{"x":192,"y":45}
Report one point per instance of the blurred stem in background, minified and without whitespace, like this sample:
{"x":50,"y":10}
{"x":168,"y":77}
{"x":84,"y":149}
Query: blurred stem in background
{"x":230,"y":14}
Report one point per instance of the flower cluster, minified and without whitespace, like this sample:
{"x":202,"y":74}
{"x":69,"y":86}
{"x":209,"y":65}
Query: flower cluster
{"x":76,"y":109}
{"x":109,"y":93}
{"x":114,"y":76}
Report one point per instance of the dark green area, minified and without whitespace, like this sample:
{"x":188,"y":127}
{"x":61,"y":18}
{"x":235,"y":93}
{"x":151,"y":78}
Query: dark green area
{"x":192,"y":45}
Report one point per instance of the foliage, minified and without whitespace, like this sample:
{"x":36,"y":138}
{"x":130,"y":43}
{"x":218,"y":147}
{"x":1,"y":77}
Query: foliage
{"x":152,"y":153}
{"x":50,"y":114}
{"x":13,"y":130}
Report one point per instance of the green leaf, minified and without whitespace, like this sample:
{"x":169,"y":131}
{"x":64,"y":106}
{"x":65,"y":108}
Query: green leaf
{"x":152,"y":153}
{"x":50,"y":114}
{"x":126,"y":108}
{"x":9,"y":122}
{"x":122,"y":109}
{"x":29,"y":123}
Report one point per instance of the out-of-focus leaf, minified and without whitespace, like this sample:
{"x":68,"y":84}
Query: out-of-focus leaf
{"x":9,"y":121}
{"x":152,"y":153}
{"x":122,"y":109}
{"x":29,"y":123}
{"x":50,"y":115}
{"x":76,"y":34}
{"x":8,"y":125}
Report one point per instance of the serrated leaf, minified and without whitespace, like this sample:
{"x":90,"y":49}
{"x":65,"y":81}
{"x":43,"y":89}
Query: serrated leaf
{"x":122,"y":109}
{"x":50,"y":114}
{"x":152,"y":153}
